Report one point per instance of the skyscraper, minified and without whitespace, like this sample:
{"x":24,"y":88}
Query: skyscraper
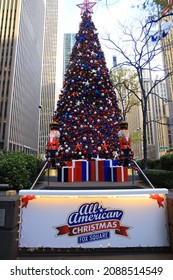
{"x":21,"y":46}
{"x":49,"y":91}
{"x":167,"y":55}
{"x":69,"y":41}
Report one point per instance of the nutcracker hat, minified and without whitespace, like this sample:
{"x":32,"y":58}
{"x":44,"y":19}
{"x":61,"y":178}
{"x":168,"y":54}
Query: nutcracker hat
{"x":123,"y":125}
{"x":53,"y":126}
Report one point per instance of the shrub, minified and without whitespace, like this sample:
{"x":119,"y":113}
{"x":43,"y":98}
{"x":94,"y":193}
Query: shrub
{"x":167,"y":162}
{"x":140,"y":163}
{"x":159,"y":178}
{"x":152,"y":164}
{"x":18,"y":169}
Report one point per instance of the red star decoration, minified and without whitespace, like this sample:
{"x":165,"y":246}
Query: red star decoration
{"x":105,"y":147}
{"x":86,"y":6}
{"x":78,"y":147}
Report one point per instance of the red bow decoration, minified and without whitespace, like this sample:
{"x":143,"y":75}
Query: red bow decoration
{"x":25,"y":200}
{"x":158,"y":198}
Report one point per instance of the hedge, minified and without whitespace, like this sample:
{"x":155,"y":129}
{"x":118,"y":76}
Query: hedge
{"x":159,"y":178}
{"x":18,"y":169}
{"x":164,"y":163}
{"x":167,"y":162}
{"x":159,"y":172}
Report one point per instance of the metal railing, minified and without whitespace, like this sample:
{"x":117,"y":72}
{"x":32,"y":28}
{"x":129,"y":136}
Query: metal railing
{"x":148,"y":181}
{"x":36,"y":180}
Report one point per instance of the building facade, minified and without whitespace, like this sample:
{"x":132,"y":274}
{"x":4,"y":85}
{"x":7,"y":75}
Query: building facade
{"x":167,"y":55}
{"x":69,"y":41}
{"x":21,"y":47}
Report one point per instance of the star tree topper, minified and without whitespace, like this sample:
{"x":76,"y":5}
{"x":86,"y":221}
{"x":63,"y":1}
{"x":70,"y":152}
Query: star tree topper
{"x":86,"y":6}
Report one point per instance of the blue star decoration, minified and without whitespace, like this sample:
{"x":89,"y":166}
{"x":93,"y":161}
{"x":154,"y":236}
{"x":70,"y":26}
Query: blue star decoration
{"x":86,"y":6}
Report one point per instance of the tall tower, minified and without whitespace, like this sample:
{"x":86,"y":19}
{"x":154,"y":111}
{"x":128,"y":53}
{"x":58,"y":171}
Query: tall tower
{"x":21,"y":45}
{"x":49,"y":72}
{"x":167,"y":59}
{"x":69,"y":41}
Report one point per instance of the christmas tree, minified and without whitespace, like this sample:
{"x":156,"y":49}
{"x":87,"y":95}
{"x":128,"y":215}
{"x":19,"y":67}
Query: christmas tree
{"x":87,"y":113}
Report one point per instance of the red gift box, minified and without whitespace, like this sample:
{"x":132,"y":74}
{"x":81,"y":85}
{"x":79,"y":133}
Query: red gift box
{"x":81,"y":170}
{"x":92,"y":170}
{"x":100,"y":170}
{"x":69,"y":163}
{"x":78,"y":171}
{"x":119,"y":174}
{"x":97,"y":168}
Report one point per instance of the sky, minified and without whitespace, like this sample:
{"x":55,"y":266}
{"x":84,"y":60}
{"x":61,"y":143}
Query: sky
{"x":105,"y":19}
{"x":102,"y":16}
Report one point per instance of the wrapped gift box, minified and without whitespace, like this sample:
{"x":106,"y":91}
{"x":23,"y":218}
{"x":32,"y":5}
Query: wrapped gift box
{"x":115,"y":162}
{"x":96,"y":170}
{"x":104,"y":173}
{"x":107,"y":171}
{"x":69,"y":163}
{"x":85,"y":170}
{"x":92,"y":170}
{"x":78,"y":171}
{"x":81,"y":170}
{"x":67,"y":174}
{"x":100,"y":170}
{"x":119,"y":174}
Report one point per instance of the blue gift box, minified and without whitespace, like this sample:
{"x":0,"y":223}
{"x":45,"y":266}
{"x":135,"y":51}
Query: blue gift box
{"x":107,"y":170}
{"x":85,"y":171}
{"x":115,"y":162}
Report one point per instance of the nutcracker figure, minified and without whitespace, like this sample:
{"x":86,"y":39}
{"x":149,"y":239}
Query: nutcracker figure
{"x":53,"y":143}
{"x":124,"y":141}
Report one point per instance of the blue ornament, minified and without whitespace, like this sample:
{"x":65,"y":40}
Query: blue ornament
{"x":96,"y":91}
